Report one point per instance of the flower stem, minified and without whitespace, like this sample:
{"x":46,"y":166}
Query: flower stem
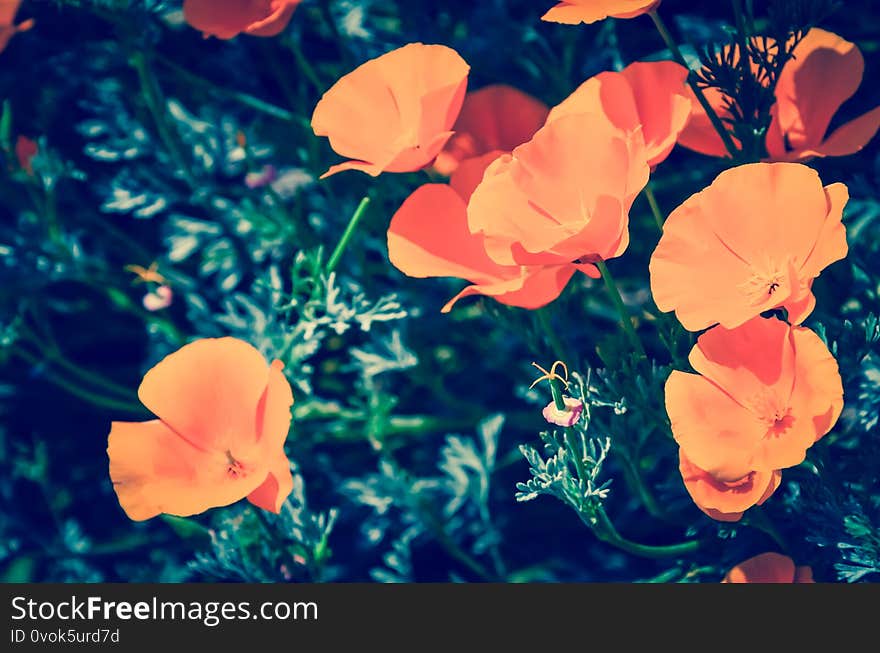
{"x":655,"y":207}
{"x":347,"y":234}
{"x":542,"y":315}
{"x":625,"y":318}
{"x":698,"y":92}
{"x":606,"y":531}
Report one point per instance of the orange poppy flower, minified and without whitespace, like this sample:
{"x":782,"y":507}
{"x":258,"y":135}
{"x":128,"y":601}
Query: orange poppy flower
{"x":429,"y":237}
{"x":769,"y":568}
{"x":563,"y":197}
{"x":651,"y":98}
{"x":8,"y":28}
{"x":754,"y":240}
{"x":394,"y":113}
{"x":223,"y":417}
{"x":25,"y":151}
{"x":573,"y":12}
{"x":229,"y":18}
{"x":825,"y":72}
{"x":764,"y":393}
{"x":496,"y":117}
{"x":726,"y":500}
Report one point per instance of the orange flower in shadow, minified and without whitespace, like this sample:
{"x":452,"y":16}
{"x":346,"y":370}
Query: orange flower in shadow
{"x":394,"y":113}
{"x":229,"y":18}
{"x":496,"y":117}
{"x":574,"y":12}
{"x":8,"y":28}
{"x":769,"y":568}
{"x":223,"y":417}
{"x":726,"y":500}
{"x":563,"y":197}
{"x":764,"y":393}
{"x":650,"y":98}
{"x":825,"y":72}
{"x":754,"y":240}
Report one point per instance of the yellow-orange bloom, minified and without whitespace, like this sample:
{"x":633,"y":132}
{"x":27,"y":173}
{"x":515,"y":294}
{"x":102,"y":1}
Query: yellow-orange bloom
{"x":8,"y":28}
{"x":229,"y":18}
{"x":494,"y":118}
{"x":223,"y":416}
{"x":726,"y":500}
{"x":754,"y":240}
{"x":394,"y":113}
{"x":825,"y":72}
{"x":573,"y":12}
{"x":764,"y":393}
{"x":769,"y":568}
{"x":649,"y":98}
{"x":564,"y":197}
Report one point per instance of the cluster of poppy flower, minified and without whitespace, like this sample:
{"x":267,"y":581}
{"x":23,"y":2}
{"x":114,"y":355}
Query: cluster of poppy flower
{"x":534,"y":195}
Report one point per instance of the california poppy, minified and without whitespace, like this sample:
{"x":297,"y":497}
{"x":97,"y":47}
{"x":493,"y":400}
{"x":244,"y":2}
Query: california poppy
{"x":429,"y":237}
{"x":8,"y":28}
{"x":726,"y":500}
{"x":825,"y":72}
{"x":494,"y":118}
{"x":649,"y":98}
{"x":563,"y":197}
{"x":394,"y":113}
{"x":25,"y":151}
{"x":754,"y":240}
{"x":572,"y":12}
{"x":229,"y":18}
{"x":223,"y":416}
{"x":764,"y":393}
{"x":769,"y":568}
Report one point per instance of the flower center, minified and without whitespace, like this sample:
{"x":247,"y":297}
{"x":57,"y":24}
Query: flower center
{"x":769,"y":280}
{"x":234,"y":468}
{"x":771,"y":410}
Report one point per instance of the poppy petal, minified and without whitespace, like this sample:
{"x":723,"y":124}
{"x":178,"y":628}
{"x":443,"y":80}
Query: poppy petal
{"x":273,"y":410}
{"x":532,"y":288}
{"x":208,"y":392}
{"x":273,"y":492}
{"x":764,"y":568}
{"x":155,"y":471}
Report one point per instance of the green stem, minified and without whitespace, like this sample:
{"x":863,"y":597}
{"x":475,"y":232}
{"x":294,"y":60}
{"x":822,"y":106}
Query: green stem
{"x":698,"y":92}
{"x":606,"y":532}
{"x":655,"y":207}
{"x":242,"y":98}
{"x":307,"y":69}
{"x":451,"y":547}
{"x":542,"y":315}
{"x":637,"y":484}
{"x":625,"y":318}
{"x":336,"y":256}
{"x":82,"y":393}
{"x":757,"y":518}
{"x":152,"y":94}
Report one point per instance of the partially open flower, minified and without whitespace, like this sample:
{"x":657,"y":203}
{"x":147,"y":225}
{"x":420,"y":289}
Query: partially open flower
{"x":229,"y":18}
{"x":569,"y":416}
{"x":726,"y":500}
{"x":754,"y":240}
{"x":494,"y":118}
{"x":765,"y":392}
{"x":646,"y":98}
{"x":562,"y":198}
{"x":224,"y":414}
{"x":394,"y":113}
{"x":769,"y":568}
{"x":573,"y":12}
{"x":8,"y":28}
{"x":825,"y":72}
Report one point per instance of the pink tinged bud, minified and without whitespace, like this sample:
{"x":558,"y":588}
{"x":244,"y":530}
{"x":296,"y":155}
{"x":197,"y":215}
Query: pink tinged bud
{"x":262,"y":178}
{"x":574,"y":408}
{"x":158,"y":299}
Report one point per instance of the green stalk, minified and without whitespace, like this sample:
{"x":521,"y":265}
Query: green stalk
{"x":605,"y":531}
{"x":698,"y":92}
{"x":542,"y":315}
{"x":625,"y":318}
{"x":336,"y":256}
{"x":655,"y":207}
